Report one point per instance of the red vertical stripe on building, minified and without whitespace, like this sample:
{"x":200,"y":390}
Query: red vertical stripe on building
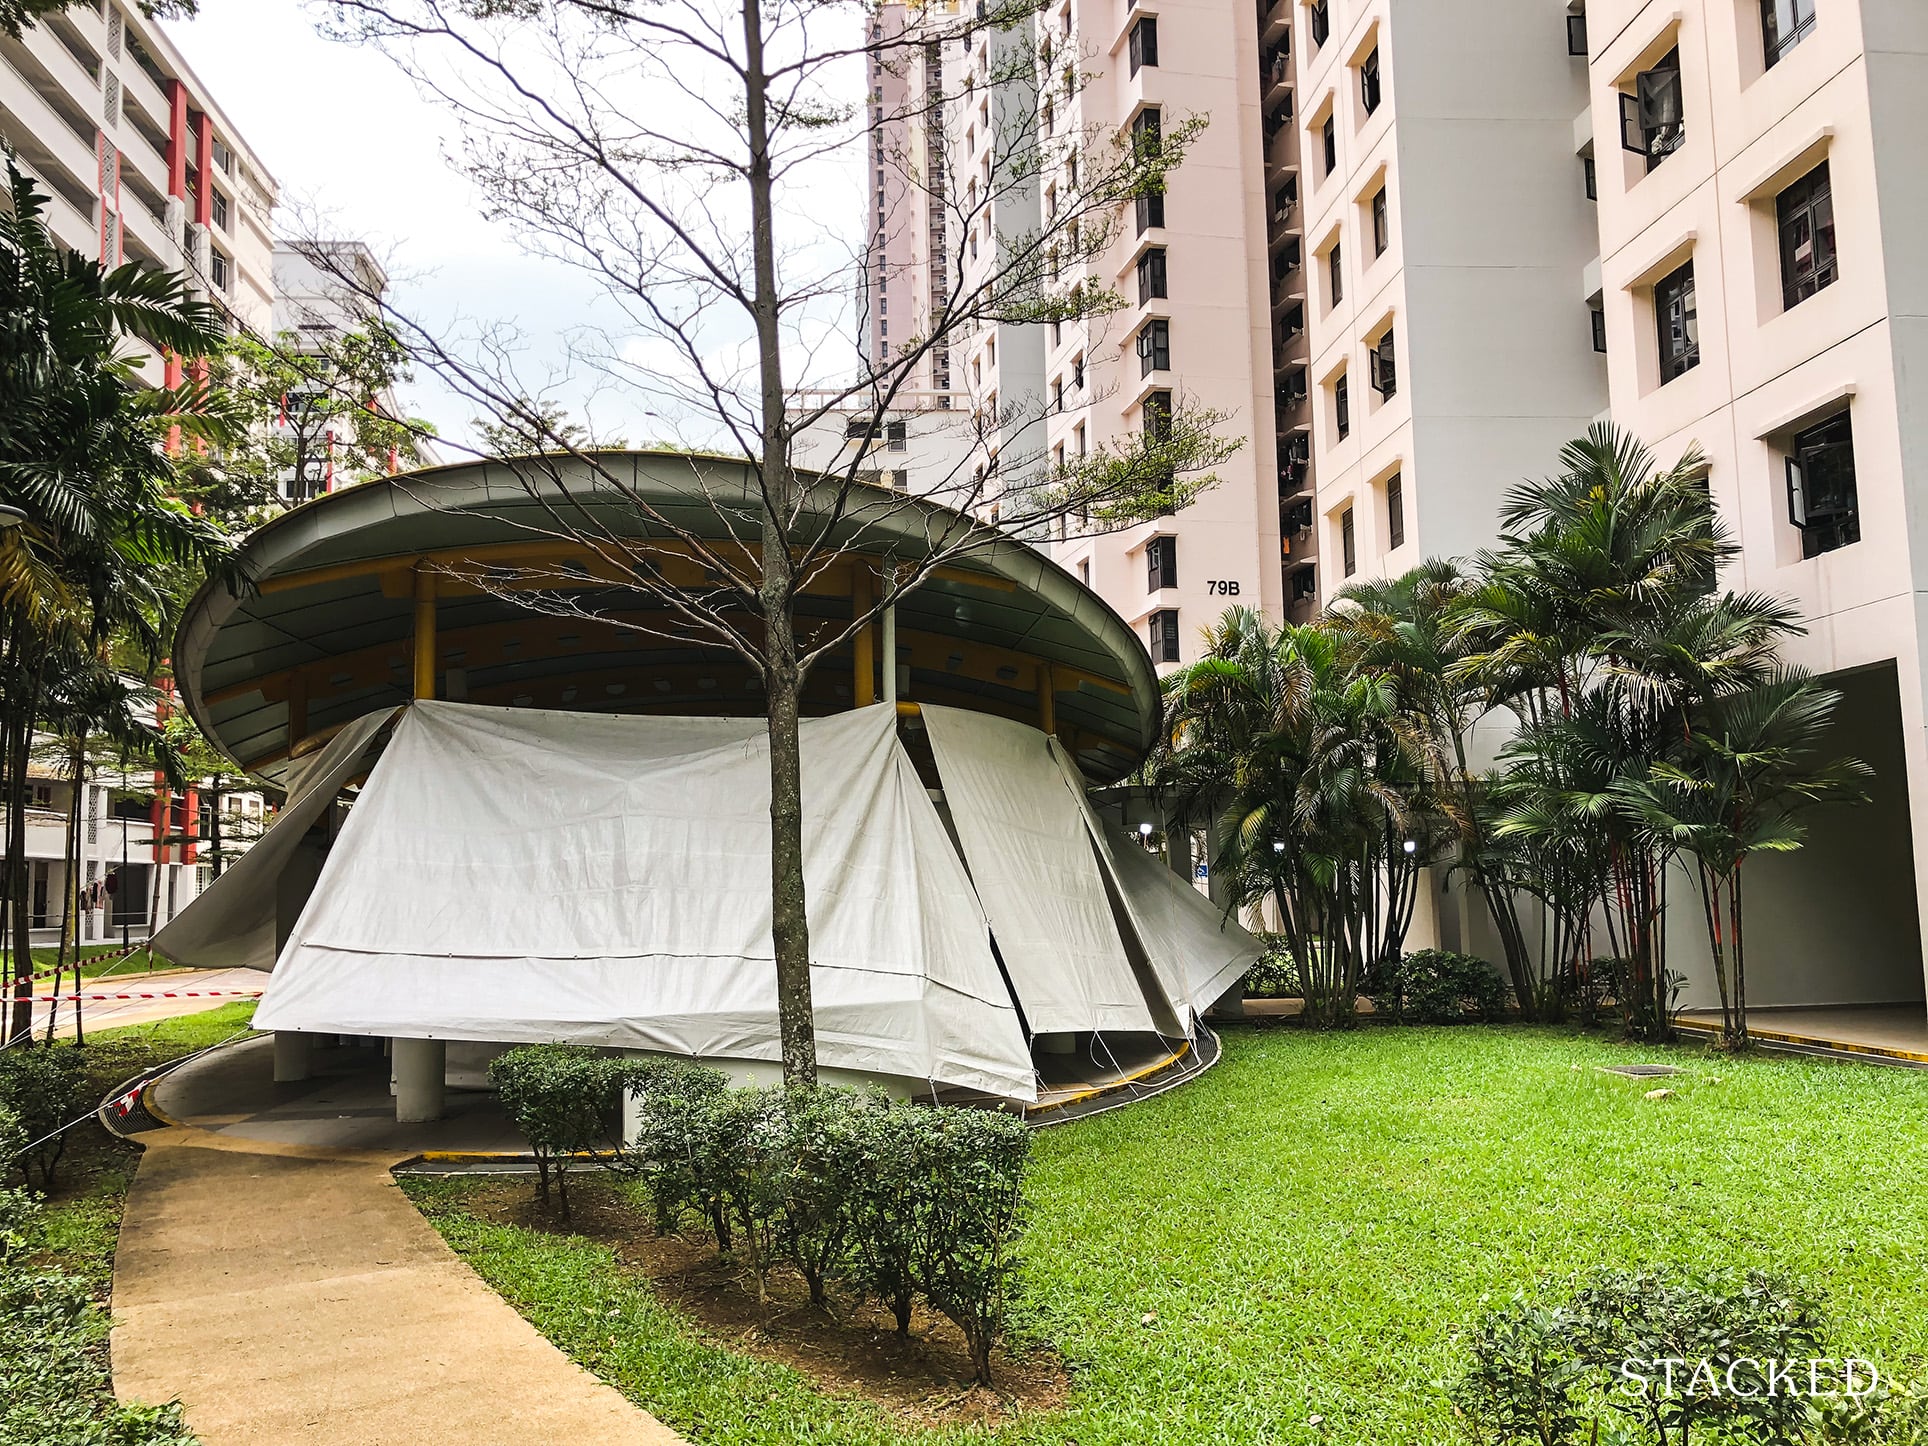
{"x":204,"y":169}
{"x":176,"y":139}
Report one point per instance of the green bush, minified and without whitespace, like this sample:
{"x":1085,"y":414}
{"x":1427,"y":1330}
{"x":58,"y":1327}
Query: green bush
{"x":1434,"y":986}
{"x":1596,"y":1367}
{"x":1274,"y":977}
{"x":567,"y":1101}
{"x":896,"y":1200}
{"x":43,"y":1091}
{"x":976,"y":1218}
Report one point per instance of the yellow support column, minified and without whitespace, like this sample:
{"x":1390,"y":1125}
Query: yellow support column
{"x":864,"y":684}
{"x":1047,"y":700}
{"x":424,"y":633}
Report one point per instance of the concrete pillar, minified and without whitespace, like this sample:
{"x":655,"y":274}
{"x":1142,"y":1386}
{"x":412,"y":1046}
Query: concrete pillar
{"x":420,"y":1068}
{"x":294,"y":1056}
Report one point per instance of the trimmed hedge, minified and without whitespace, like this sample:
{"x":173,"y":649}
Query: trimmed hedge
{"x":850,"y":1189}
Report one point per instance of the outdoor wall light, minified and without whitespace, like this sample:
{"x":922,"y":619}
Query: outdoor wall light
{"x":1278,"y":846}
{"x":1411,"y":846}
{"x":1144,"y":830}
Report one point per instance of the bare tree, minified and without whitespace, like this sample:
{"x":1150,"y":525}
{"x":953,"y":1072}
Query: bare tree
{"x":680,"y":152}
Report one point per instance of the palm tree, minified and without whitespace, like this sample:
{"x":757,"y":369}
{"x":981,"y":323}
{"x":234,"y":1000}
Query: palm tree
{"x":1316,"y":781}
{"x":1410,"y":629}
{"x":1601,"y":627}
{"x":84,"y":453}
{"x":1753,"y":764}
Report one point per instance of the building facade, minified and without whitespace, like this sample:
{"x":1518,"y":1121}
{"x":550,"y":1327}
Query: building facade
{"x":1762,"y":285}
{"x":141,"y":163}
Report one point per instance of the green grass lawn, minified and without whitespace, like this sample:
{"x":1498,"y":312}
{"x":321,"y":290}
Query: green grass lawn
{"x":98,"y":959}
{"x":1314,"y":1224}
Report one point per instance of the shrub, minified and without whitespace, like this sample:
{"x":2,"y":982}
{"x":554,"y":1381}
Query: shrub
{"x":669,"y":1147}
{"x":1594,"y":1368}
{"x":890,"y":1206}
{"x":975,"y":1220}
{"x":894,"y":1199}
{"x":567,"y":1100}
{"x":1273,"y":977}
{"x":43,"y":1091}
{"x":1434,"y":986}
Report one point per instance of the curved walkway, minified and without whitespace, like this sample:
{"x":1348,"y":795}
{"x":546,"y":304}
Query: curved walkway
{"x":289,"y":1293}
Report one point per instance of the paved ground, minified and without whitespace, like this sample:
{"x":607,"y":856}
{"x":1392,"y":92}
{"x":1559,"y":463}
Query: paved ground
{"x":286,"y":1293}
{"x":112,"y":1013}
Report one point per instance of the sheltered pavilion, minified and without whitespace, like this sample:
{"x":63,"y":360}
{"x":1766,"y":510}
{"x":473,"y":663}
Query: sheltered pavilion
{"x":555,"y":830}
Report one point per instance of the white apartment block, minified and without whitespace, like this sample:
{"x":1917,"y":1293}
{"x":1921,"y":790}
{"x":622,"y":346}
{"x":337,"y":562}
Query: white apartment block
{"x":140,"y":161}
{"x":1192,"y":266}
{"x":1422,"y":243}
{"x":1763,"y":287}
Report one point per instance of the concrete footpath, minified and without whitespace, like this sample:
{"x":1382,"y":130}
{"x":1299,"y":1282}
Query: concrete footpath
{"x":289,"y":1294}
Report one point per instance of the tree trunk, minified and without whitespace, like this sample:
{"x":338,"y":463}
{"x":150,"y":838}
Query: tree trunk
{"x":783,"y":681}
{"x":70,"y":890}
{"x":19,"y":747}
{"x":1740,"y":962}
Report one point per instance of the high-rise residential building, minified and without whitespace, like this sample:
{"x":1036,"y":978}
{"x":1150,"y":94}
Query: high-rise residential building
{"x":1762,"y":286}
{"x":1192,"y":267}
{"x":140,"y":161}
{"x":1446,"y":230}
{"x":1420,"y":245}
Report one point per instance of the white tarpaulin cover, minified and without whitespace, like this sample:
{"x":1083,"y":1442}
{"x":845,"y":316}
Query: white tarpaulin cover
{"x":1197,"y":952}
{"x":1023,"y":832}
{"x":511,"y":874}
{"x":231,"y":925}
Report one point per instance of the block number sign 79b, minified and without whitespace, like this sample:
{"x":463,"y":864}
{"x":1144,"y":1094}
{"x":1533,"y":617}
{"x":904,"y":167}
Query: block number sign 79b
{"x":1220,"y":587}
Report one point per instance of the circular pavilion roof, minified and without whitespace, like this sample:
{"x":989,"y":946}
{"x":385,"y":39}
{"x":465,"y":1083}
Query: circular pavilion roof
{"x":325,"y":634}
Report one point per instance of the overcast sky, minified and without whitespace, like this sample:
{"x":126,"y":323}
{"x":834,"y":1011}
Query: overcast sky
{"x":345,"y":133}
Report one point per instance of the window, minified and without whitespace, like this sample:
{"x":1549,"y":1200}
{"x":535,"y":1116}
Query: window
{"x":896,"y":436}
{"x":1599,"y":323}
{"x":1675,"y":315}
{"x":1156,"y":411}
{"x":1077,"y":375}
{"x":1395,"y":511}
{"x":1146,"y":133}
{"x":1381,"y":230}
{"x":1348,"y":543}
{"x":1821,"y":497}
{"x":1592,"y":177}
{"x":1319,"y":22}
{"x":1384,"y":374}
{"x":855,"y":429}
{"x":220,"y":210}
{"x":1784,"y":25}
{"x":1576,"y":35}
{"x":1652,"y":119}
{"x":1341,"y":407}
{"x":1057,"y":394}
{"x":1151,"y":207}
{"x":218,"y":270}
{"x":1161,"y":561}
{"x":1329,"y":138}
{"x":1151,"y":274}
{"x":1164,"y":635}
{"x":1144,"y":43}
{"x":223,"y":158}
{"x":1804,"y":214}
{"x":1335,"y":275}
{"x":1155,"y":347}
{"x":1369,"y":81}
